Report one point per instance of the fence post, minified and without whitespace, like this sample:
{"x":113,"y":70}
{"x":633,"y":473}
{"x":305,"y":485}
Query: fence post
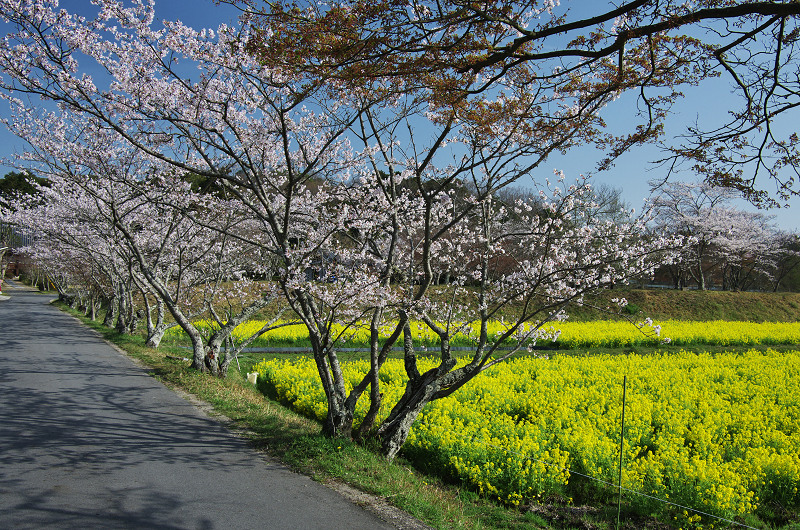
{"x":621,"y":440}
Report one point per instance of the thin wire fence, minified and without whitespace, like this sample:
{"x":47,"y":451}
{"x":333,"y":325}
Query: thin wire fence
{"x":617,"y":487}
{"x":614,"y":486}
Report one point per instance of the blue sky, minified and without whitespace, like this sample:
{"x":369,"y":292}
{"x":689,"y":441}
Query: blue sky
{"x":707,"y":106}
{"x":630,"y":174}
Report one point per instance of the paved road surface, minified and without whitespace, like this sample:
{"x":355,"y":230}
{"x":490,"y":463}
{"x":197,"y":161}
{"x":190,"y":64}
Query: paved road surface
{"x":89,"y":440}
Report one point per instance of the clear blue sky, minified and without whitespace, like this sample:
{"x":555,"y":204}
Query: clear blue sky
{"x":705,"y":105}
{"x":630,"y":174}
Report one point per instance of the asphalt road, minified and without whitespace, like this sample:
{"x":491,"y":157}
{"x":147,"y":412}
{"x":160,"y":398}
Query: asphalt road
{"x":89,"y":440}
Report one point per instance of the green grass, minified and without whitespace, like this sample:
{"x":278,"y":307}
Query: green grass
{"x":665,"y":304}
{"x":699,"y":305}
{"x":296,"y":441}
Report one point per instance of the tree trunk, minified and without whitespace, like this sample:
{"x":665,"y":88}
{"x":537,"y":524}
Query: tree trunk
{"x":123,"y":314}
{"x":136,"y":317}
{"x":375,"y":395}
{"x":198,"y":347}
{"x":155,"y":332}
{"x":122,"y":324}
{"x":420,"y":389}
{"x":151,"y":327}
{"x":154,"y":339}
{"x":393,"y":432}
{"x":339,"y":419}
{"x":111,"y":312}
{"x":378,"y":355}
{"x":214,"y":360}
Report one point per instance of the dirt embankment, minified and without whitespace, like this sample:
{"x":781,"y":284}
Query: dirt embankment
{"x":701,"y":305}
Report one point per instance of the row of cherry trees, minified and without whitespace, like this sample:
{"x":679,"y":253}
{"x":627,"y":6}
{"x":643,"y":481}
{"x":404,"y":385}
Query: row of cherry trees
{"x":109,"y":227}
{"x":352,"y":186}
{"x":732,"y":248}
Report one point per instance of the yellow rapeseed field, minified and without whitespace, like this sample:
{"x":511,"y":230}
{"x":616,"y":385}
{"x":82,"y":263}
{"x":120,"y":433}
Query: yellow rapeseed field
{"x":718,"y":433}
{"x":596,"y":334}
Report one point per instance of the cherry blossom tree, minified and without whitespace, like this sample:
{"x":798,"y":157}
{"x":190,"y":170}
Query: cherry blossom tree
{"x":787,"y":261}
{"x":241,"y":125}
{"x":747,"y":245}
{"x":140,"y":245}
{"x":526,"y":262}
{"x":67,"y":241}
{"x":504,"y":85}
{"x":740,"y":246}
{"x":163,"y":240}
{"x":360,"y":193}
{"x":12,"y":186}
{"x":696,"y":211}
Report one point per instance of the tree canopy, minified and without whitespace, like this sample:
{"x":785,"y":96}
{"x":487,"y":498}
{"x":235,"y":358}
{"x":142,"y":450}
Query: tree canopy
{"x":560,"y":64}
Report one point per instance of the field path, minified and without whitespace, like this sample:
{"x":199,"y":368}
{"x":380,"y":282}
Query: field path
{"x":89,"y":440}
